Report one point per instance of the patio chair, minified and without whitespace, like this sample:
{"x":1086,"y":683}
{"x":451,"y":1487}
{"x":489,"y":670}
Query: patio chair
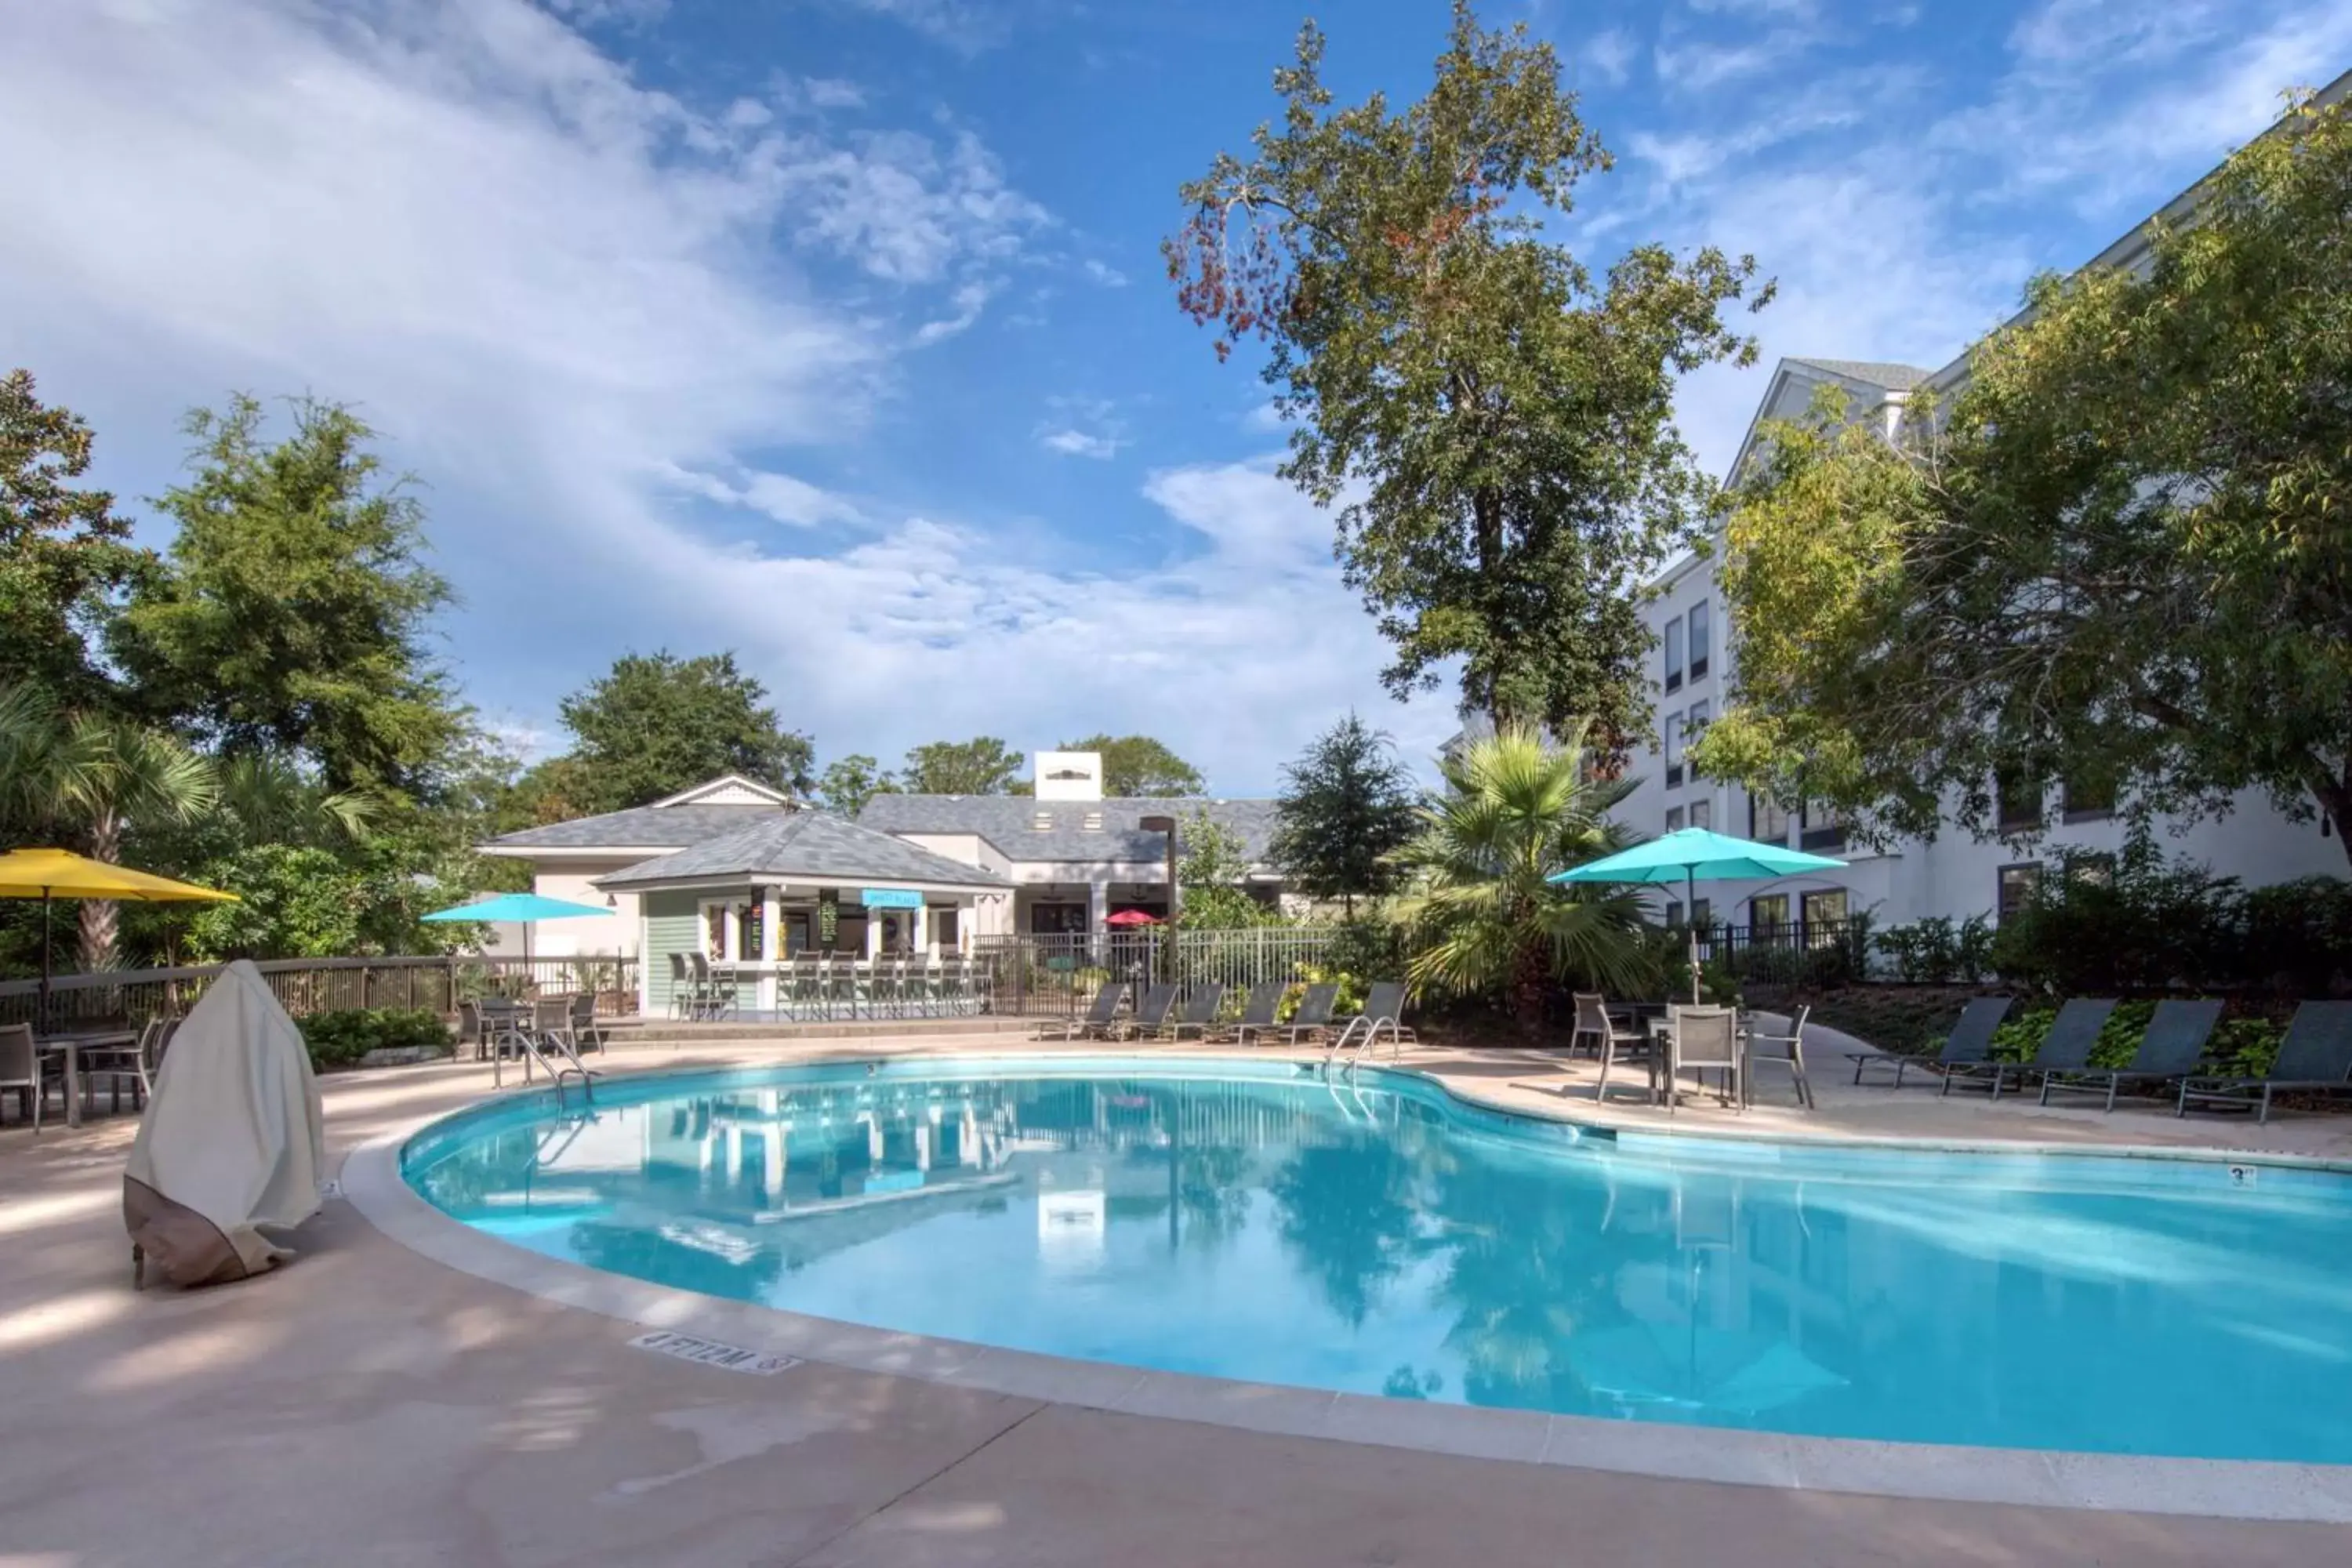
{"x":681,"y":987}
{"x":20,"y":1070}
{"x":1701,"y":1040}
{"x":1199,"y":1013}
{"x":1152,"y":1013}
{"x":1970,"y":1042}
{"x":469,"y":1028}
{"x":119,"y":1064}
{"x":1611,"y":1043}
{"x":2065,"y":1048}
{"x":1257,"y":1013}
{"x":1793,"y":1058}
{"x":1313,"y":1014}
{"x":1095,"y":1024}
{"x":2315,"y":1057}
{"x":714,"y":988}
{"x":586,"y":1035}
{"x":2172,"y":1049}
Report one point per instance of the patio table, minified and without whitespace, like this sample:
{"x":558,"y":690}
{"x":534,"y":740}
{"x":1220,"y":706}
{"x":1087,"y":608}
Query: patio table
{"x":1665,"y":1059}
{"x":71,"y":1043}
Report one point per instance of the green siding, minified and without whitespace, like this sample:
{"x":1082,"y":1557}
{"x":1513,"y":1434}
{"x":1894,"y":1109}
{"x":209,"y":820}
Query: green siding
{"x":670,"y":921}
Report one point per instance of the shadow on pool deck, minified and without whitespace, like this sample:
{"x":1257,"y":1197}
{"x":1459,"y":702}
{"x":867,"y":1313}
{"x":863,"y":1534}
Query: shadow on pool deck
{"x":368,"y":1406}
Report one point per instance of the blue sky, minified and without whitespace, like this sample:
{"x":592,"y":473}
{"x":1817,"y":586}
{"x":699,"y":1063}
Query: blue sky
{"x":834,"y":330}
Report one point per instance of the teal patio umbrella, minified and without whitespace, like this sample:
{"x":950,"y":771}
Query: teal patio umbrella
{"x":524,"y":910}
{"x":1694,"y":855}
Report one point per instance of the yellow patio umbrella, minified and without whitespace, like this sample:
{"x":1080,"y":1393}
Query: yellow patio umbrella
{"x":47,"y":874}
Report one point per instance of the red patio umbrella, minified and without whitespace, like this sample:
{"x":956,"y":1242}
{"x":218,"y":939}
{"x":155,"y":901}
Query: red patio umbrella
{"x":1132,"y":918}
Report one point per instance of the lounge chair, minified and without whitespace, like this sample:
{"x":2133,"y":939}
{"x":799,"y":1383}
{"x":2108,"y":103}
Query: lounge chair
{"x":1970,"y":1042}
{"x":2173,"y":1046}
{"x":1257,"y":1013}
{"x":1313,"y":1014}
{"x":1096,"y":1022}
{"x":1152,"y":1013}
{"x":1384,"y":1009}
{"x":2315,"y":1057}
{"x":2066,"y":1047}
{"x":1199,"y":1014}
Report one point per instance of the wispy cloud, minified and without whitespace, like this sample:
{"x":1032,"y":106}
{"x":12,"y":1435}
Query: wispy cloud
{"x":1072,"y":443}
{"x":1110,"y":277}
{"x":968,"y":300}
{"x":966,"y":26}
{"x":1611,"y":55}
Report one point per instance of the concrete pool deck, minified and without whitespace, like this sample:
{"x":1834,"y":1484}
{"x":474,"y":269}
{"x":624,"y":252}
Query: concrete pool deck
{"x":369,"y":1404}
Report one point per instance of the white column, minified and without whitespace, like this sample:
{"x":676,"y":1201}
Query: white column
{"x":873,"y":933}
{"x":774,"y":1147}
{"x":770,"y":946}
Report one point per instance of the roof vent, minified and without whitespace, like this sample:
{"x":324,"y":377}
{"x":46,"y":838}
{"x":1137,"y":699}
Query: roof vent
{"x":1042,"y":822}
{"x":1094,"y":822}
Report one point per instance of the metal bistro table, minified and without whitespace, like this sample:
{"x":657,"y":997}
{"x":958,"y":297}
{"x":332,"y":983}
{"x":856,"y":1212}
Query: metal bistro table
{"x":71,"y":1043}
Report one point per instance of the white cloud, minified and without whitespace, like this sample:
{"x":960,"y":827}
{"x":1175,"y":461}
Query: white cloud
{"x":1078,"y":444}
{"x":782,"y":496}
{"x":962,"y":25}
{"x":1700,"y":64}
{"x":1107,"y":276}
{"x":1266,"y":419}
{"x":968,"y":300}
{"x":899,"y":204}
{"x":1611,"y":55}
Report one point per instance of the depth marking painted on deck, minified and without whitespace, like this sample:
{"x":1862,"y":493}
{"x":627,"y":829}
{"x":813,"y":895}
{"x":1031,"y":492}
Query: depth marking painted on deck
{"x":712,"y":1353}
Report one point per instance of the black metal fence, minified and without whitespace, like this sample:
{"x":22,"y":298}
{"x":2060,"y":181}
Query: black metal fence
{"x":1052,"y":974}
{"x":1809,"y":952}
{"x":307,"y":986}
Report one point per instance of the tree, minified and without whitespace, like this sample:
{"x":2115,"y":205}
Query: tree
{"x":852,"y":780}
{"x":293,"y":613}
{"x":86,"y":778}
{"x":656,"y":725}
{"x":1489,"y":922}
{"x":63,"y":551}
{"x":1137,"y":765}
{"x":1497,"y":421}
{"x":1346,"y":806}
{"x":981,"y":765}
{"x":2119,"y":561}
{"x":1212,"y":868}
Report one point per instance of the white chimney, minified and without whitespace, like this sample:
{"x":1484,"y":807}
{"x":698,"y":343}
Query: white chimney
{"x":1069,"y":776}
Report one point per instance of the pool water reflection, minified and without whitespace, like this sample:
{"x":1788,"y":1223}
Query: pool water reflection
{"x":1377,"y":1238}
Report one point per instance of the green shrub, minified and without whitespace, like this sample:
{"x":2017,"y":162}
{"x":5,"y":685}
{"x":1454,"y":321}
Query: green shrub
{"x":2021,"y":1034}
{"x":1937,"y":950}
{"x":341,"y":1040}
{"x":2244,"y":1047}
{"x":2298,"y":936}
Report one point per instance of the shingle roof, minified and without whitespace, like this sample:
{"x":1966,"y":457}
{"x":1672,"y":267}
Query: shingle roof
{"x":805,"y":846}
{"x":1877,"y":373}
{"x":1009,"y":822}
{"x":640,"y":827}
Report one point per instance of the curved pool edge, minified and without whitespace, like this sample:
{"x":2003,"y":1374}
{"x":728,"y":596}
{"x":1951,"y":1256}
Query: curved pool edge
{"x":372,"y":1183}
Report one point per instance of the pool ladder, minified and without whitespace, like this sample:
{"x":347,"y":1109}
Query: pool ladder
{"x":556,"y":1055}
{"x":1363,"y":1035}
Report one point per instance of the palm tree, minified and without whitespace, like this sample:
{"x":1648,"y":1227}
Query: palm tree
{"x":87,"y":775}
{"x":1516,"y":809}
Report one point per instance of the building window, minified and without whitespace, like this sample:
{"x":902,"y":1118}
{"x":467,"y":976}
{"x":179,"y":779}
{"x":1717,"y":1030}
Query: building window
{"x":714,"y":931}
{"x":1674,"y":911}
{"x":1768,"y":820}
{"x":1768,"y":916}
{"x":1702,"y":910}
{"x":1698,"y":639}
{"x":1674,"y":653}
{"x":1820,"y":827}
{"x":1674,"y":819}
{"x":1702,"y":813}
{"x":1824,"y":916}
{"x":1693,"y":728}
{"x":2084,"y":798}
{"x":1673,"y":727}
{"x":2015,"y":888}
{"x":2019,"y":799}
{"x":2095,"y":870}
{"x":944,"y":924}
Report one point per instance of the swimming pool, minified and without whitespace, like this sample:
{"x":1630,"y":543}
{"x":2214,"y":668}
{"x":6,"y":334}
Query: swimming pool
{"x":1258,"y":1221}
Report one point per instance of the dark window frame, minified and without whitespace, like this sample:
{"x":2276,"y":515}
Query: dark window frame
{"x":1698,"y":636}
{"x":2000,"y":884}
{"x":1673,"y":640}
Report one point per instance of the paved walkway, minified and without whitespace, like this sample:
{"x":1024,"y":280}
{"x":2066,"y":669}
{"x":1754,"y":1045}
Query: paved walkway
{"x":367,"y":1406}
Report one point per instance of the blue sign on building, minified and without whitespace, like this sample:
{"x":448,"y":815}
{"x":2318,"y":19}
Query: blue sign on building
{"x":890,"y":898}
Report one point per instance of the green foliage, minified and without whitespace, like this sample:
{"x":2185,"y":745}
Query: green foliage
{"x":2101,"y":927}
{"x":1938,"y":949}
{"x":2244,"y":1047}
{"x":1495,"y":423}
{"x":655,"y":724}
{"x":2123,"y":544}
{"x":981,"y":765}
{"x":1139,"y":766}
{"x":1211,"y":875}
{"x":2298,"y":935}
{"x":848,"y":783}
{"x":64,"y":553}
{"x":341,"y":1040}
{"x":1355,"y":985}
{"x":1486,"y":921}
{"x":1346,"y":809}
{"x":310,"y":902}
{"x":292,"y":616}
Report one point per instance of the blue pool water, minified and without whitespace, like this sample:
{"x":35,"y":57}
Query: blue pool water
{"x":1254,"y":1221}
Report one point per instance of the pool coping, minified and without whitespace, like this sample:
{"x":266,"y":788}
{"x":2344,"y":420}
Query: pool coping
{"x":2226,"y":1489}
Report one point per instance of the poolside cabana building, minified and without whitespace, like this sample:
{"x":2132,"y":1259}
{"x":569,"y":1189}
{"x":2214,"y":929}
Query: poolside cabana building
{"x":757,"y":898}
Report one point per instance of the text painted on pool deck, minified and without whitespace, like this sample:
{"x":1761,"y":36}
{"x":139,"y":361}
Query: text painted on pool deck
{"x":710,"y":1353}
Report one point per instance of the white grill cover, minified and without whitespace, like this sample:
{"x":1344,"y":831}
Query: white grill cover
{"x":233,"y":1135}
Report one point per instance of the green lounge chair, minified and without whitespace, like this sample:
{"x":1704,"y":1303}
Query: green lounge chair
{"x":1096,"y":1022}
{"x":2315,"y":1058}
{"x":2174,"y":1043}
{"x":1970,"y":1042}
{"x":2067,"y":1047}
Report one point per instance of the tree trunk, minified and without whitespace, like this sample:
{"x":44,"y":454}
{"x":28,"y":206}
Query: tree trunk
{"x":1529,"y":985}
{"x":2334,"y":795}
{"x":101,"y":917}
{"x":1487,"y":522}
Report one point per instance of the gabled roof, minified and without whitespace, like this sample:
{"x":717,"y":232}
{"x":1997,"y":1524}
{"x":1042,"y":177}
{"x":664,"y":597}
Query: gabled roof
{"x":1875,"y":373}
{"x":639,"y":827}
{"x":804,"y":846}
{"x":728,"y":789}
{"x":1010,"y":823}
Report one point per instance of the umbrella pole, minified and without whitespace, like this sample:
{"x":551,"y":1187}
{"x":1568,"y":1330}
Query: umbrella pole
{"x":1690,"y":908}
{"x":42,"y":1025}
